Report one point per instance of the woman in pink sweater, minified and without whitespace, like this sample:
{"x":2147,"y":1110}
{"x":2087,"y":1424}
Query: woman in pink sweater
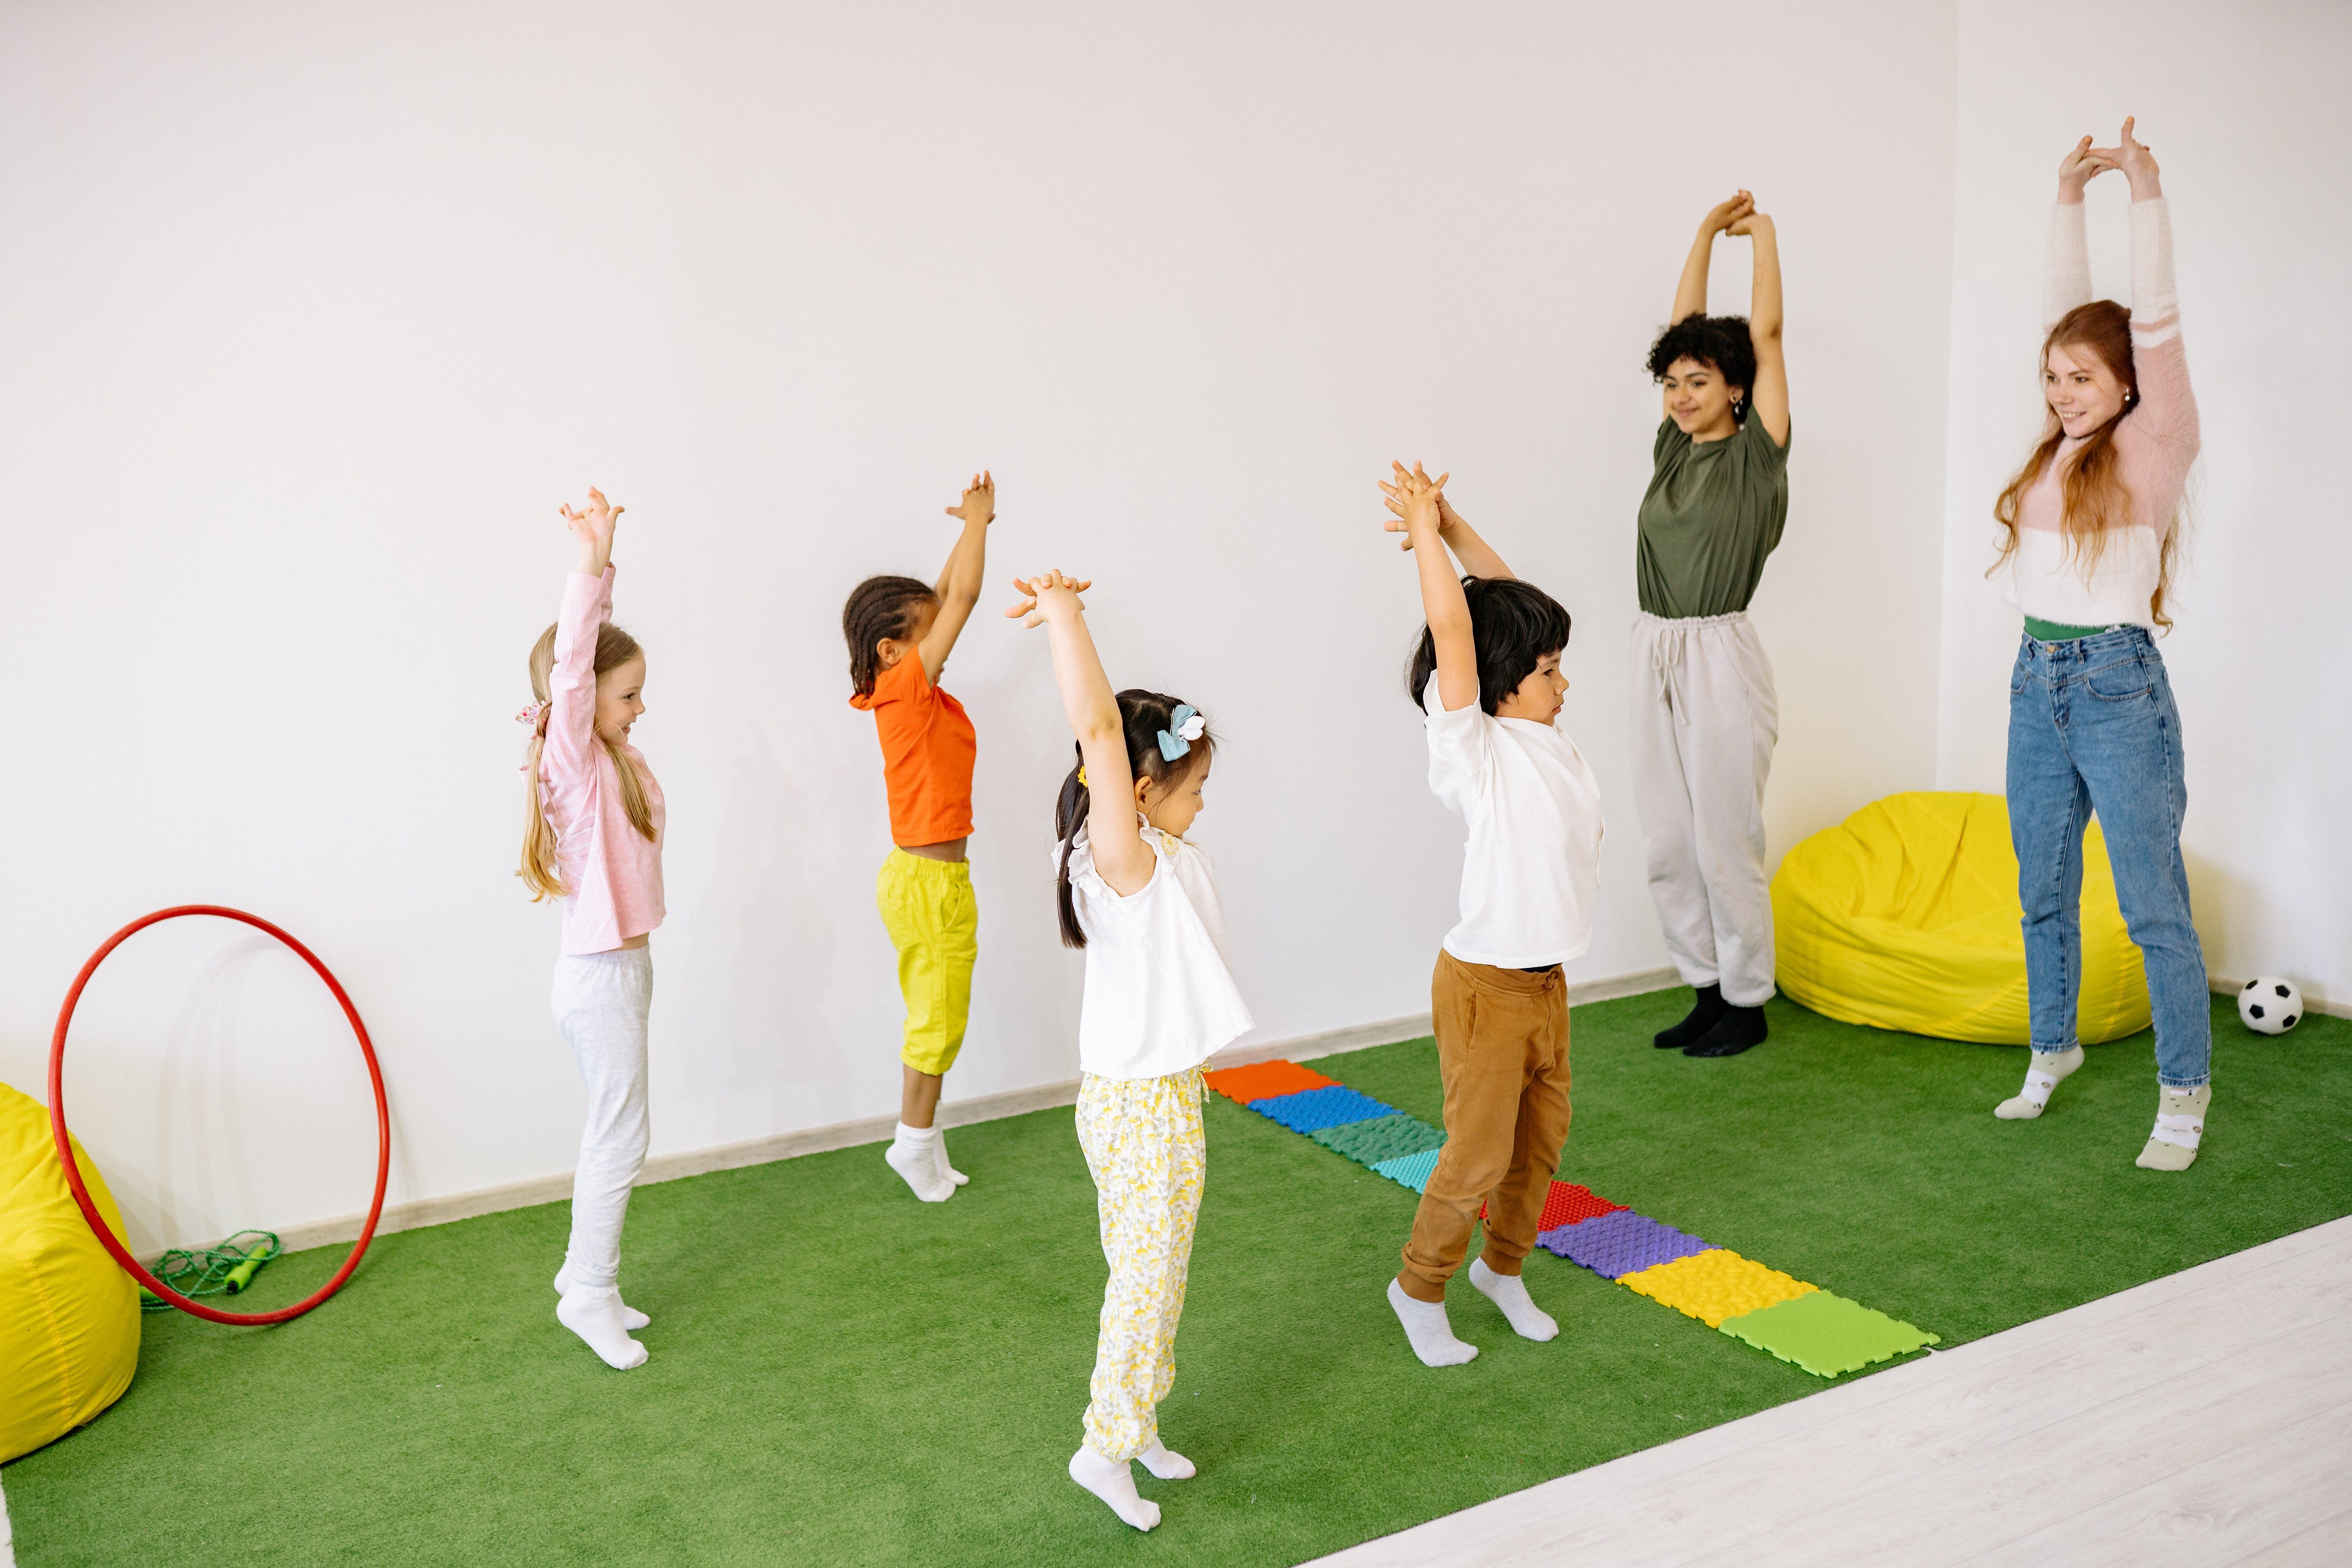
{"x":2090,"y":525}
{"x":592,"y":838}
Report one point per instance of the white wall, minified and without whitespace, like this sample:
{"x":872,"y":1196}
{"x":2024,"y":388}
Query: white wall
{"x":309,"y":317}
{"x":2245,"y":108}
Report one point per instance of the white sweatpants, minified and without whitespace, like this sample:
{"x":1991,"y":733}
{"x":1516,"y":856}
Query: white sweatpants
{"x":1704,"y":721}
{"x":601,"y":1003}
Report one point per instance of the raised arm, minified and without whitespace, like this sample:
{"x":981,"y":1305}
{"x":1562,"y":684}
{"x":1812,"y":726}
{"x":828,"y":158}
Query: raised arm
{"x":1768,"y":398}
{"x":958,"y":584}
{"x":1052,"y":601}
{"x":2066,"y":253}
{"x":2167,"y":407}
{"x":1442,"y":604}
{"x":1690,"y":289}
{"x":587,"y":605}
{"x":1477,"y":557}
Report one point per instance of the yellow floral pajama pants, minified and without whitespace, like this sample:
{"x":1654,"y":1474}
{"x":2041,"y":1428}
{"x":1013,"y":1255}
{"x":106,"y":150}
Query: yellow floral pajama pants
{"x":1149,"y":1153}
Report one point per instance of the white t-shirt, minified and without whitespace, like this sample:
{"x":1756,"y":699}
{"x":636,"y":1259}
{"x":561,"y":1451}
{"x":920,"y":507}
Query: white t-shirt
{"x":1531,"y":868}
{"x":1160,"y":998}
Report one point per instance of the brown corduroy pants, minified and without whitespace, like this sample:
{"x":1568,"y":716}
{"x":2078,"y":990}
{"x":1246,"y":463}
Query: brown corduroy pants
{"x":1502,"y":1052}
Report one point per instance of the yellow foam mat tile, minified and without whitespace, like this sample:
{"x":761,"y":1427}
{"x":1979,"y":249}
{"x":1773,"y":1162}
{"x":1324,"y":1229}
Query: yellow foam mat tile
{"x":1716,"y":1284}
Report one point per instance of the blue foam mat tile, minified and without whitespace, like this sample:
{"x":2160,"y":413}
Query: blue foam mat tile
{"x":1615,"y":1245}
{"x":1316,"y":1109}
{"x":1409,"y":1170}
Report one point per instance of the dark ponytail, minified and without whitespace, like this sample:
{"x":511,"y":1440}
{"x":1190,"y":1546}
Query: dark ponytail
{"x":879,"y":607}
{"x":1142,"y":715}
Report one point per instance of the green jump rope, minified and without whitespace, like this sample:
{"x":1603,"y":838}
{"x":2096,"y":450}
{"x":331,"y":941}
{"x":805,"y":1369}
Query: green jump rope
{"x":225,"y":1269}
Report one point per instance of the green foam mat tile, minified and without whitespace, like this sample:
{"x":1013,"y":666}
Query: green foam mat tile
{"x":1409,"y":1170}
{"x":1827,"y":1334}
{"x":1382,"y":1138}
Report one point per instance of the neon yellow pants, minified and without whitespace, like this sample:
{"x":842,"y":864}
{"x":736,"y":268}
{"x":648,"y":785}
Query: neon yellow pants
{"x":927,"y":907}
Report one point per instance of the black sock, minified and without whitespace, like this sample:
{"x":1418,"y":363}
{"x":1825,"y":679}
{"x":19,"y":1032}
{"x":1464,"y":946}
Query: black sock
{"x":1739,"y":1029}
{"x":1702,"y":1017}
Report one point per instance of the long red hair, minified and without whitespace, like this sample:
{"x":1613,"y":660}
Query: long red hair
{"x":2093,"y":495}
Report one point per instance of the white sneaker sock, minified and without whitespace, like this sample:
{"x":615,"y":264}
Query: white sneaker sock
{"x":1112,"y":1481}
{"x":912,"y":1153}
{"x":1509,"y":1292}
{"x":2040,"y":1076}
{"x":595,"y":1316}
{"x":939,"y":1157}
{"x":1168,"y":1464}
{"x":631,"y":1318}
{"x":2180,"y":1124}
{"x":1426,"y":1326}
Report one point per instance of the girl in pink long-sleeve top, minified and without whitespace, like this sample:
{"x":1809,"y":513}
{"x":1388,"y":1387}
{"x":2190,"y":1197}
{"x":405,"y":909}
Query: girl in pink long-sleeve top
{"x":593,"y":839}
{"x":2090,"y":530}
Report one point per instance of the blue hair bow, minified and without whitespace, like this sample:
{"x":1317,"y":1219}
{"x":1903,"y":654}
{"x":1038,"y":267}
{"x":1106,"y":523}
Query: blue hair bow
{"x":1188,"y":726}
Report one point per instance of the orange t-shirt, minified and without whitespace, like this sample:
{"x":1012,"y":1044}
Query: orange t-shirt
{"x":928,"y":748}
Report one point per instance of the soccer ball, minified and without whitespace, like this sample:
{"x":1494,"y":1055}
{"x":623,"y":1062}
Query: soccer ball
{"x":2270,"y":1005}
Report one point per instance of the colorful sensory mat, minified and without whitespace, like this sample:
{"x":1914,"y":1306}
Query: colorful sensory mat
{"x":1802,"y":1324}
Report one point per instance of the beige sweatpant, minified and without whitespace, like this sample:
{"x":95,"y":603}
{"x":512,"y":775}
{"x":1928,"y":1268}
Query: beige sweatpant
{"x":1704,"y":721}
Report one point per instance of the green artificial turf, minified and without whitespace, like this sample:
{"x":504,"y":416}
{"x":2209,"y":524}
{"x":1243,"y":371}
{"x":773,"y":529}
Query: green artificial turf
{"x":843,"y":1375}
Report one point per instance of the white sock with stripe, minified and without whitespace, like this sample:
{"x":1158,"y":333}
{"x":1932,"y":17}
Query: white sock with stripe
{"x":2048,"y":1068}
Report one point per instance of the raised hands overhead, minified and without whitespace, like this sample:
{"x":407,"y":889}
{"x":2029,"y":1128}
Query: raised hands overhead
{"x":2081,"y":166}
{"x":979,"y":503}
{"x":593,"y":529}
{"x":1047,"y":595}
{"x":1725,"y":215}
{"x":2137,"y":162}
{"x":1414,"y":498}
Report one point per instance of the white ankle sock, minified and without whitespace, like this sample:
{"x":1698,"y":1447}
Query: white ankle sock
{"x":631,"y":1318}
{"x":1168,"y":1464}
{"x":913,"y":1154}
{"x":1425,"y":1326}
{"x":595,"y":1316}
{"x":2179,"y":1126}
{"x":1112,"y":1481}
{"x":2041,"y":1076}
{"x":1509,"y":1292}
{"x":939,"y":1156}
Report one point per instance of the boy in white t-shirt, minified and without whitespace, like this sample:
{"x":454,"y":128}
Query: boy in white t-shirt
{"x":1487,"y":677}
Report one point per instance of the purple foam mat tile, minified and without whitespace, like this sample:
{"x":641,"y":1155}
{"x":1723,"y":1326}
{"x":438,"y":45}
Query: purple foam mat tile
{"x":1615,"y":1245}
{"x":1312,"y":1109}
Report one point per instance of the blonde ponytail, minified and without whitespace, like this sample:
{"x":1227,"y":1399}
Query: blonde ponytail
{"x":541,"y":869}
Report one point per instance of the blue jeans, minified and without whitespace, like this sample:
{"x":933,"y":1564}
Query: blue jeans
{"x":2091,"y":727}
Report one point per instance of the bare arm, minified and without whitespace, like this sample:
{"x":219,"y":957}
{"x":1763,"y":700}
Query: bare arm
{"x":1121,"y":856}
{"x":1690,"y":291}
{"x":1768,"y":398}
{"x":1442,"y":604}
{"x":958,"y":584}
{"x":1477,"y":557}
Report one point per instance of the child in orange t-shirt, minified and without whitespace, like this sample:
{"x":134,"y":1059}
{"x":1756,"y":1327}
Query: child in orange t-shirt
{"x":900,"y":632}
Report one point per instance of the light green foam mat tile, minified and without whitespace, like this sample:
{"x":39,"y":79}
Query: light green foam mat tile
{"x":1827,"y":1334}
{"x":1382,"y":1138}
{"x":1409,"y":1170}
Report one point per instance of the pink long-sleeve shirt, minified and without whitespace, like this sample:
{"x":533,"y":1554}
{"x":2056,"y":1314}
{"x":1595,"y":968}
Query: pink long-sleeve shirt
{"x":614,"y":871}
{"x":2155,"y":442}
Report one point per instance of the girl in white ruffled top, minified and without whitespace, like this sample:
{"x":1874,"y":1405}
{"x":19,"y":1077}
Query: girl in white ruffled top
{"x":1159,"y":1001}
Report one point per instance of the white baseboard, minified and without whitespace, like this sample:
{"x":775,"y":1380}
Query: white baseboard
{"x":422,"y":1212}
{"x":2313,"y":1001}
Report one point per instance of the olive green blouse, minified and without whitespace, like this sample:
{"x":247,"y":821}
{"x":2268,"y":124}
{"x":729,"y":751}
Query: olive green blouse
{"x":1712,"y":514}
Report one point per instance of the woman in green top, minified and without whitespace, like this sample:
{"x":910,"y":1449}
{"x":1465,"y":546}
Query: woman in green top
{"x":1705,"y":717}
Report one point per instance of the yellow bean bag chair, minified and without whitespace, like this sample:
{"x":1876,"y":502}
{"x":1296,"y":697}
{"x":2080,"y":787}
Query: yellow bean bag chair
{"x":69,"y":1314}
{"x":1905,"y":916}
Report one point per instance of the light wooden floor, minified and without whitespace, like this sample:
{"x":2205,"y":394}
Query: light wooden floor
{"x":2200,"y":1419}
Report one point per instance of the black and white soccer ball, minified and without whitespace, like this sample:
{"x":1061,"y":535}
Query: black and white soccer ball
{"x":2270,"y":1005}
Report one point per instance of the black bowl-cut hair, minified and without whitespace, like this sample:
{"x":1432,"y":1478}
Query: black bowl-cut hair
{"x":1719,"y":340}
{"x":1513,"y":624}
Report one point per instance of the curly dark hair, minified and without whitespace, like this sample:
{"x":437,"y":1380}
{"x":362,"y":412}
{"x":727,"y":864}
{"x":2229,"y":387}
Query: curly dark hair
{"x":882,"y":606}
{"x":1514,"y":625}
{"x":1721,"y":342}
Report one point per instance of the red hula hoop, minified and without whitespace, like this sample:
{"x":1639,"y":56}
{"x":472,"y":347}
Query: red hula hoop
{"x":73,"y":1172}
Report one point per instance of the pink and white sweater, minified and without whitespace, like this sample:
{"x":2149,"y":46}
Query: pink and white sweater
{"x":614,"y":871}
{"x":2156,"y":441}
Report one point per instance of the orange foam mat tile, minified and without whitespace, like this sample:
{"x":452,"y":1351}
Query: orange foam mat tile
{"x":1264,"y":1080}
{"x":1714,"y":1285}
